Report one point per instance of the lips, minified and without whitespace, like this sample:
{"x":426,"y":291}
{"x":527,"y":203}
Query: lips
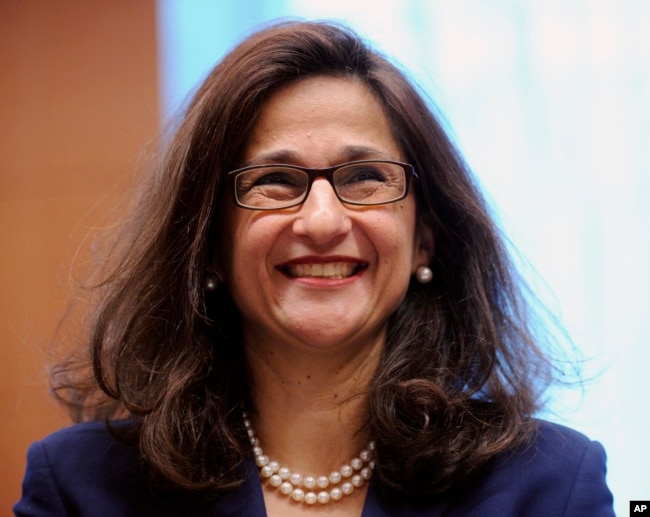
{"x":326,"y":270}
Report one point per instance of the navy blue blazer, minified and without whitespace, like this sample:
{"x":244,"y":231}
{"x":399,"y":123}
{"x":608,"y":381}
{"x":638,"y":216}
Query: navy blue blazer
{"x":83,"y":471}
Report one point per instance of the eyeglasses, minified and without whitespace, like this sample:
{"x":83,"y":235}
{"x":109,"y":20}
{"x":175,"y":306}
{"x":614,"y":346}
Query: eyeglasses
{"x":367,"y":182}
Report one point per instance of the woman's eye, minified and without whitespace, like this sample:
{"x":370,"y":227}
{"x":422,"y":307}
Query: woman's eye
{"x":257,"y":186}
{"x":364,"y":174}
{"x":276,"y":178}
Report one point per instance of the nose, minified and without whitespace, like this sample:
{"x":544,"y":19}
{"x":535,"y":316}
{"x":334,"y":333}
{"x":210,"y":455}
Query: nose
{"x":322,"y":217}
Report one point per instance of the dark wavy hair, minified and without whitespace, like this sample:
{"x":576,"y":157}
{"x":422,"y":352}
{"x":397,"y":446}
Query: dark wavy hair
{"x":461,"y":374}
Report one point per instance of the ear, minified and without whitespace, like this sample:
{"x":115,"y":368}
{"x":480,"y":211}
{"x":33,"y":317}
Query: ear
{"x":424,"y":246}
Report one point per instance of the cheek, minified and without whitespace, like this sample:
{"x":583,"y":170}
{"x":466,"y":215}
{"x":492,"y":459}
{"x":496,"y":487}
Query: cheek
{"x":252,"y":237}
{"x":405,"y":226}
{"x":395,"y":239}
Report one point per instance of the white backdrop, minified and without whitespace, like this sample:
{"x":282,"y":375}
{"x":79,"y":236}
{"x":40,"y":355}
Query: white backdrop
{"x":550,"y":103}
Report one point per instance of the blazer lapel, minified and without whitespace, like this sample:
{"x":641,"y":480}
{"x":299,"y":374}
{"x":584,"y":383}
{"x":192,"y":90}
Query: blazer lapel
{"x":247,"y":500}
{"x":379,"y":504}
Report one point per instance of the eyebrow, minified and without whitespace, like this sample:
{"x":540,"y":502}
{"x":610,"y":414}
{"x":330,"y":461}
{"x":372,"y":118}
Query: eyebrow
{"x":348,"y":153}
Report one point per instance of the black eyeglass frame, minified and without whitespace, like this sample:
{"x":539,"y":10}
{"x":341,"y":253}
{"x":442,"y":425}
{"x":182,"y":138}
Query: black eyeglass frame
{"x":326,"y":173}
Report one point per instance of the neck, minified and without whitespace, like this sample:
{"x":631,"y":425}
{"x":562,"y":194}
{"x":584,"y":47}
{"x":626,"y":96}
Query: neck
{"x":310,"y":406}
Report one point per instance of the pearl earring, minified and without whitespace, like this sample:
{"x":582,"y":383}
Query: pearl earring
{"x":211,"y":283}
{"x":424,"y":274}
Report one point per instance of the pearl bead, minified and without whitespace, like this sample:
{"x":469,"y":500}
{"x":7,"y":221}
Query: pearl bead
{"x":262,"y":460}
{"x":310,"y":498}
{"x":275,"y":480}
{"x":286,"y":488}
{"x":365,"y":473}
{"x":356,"y":463}
{"x":284,"y":473}
{"x":336,"y":494}
{"x":357,"y":480}
{"x":297,"y":494}
{"x":295,"y":478}
{"x":309,"y":481}
{"x":347,"y":488}
{"x":335,"y":477}
{"x":322,"y":481}
{"x":346,"y":471}
{"x":323,"y":497}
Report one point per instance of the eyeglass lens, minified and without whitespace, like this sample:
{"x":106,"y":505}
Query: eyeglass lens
{"x":366,"y":183}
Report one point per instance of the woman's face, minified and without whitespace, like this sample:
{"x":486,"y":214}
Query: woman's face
{"x":322,"y":274}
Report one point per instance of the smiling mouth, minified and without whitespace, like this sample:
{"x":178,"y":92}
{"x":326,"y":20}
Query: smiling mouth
{"x":330,"y":270}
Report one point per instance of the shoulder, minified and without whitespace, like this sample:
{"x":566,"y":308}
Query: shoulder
{"x":84,"y":470}
{"x":82,"y":436}
{"x":559,"y":471}
{"x":552,"y":445}
{"x":84,"y":448}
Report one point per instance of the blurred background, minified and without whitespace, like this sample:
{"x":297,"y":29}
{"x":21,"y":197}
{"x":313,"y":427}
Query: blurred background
{"x":548,"y":101}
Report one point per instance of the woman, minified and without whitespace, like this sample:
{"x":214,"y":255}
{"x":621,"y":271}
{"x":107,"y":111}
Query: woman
{"x":311,"y":310}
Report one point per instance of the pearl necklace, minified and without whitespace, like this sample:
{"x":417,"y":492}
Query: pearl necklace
{"x":312,"y":489}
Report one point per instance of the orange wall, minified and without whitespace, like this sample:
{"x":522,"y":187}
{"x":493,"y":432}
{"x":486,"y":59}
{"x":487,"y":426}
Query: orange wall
{"x":78,"y":100}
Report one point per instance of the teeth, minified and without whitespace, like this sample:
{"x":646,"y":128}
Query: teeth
{"x":333,"y":270}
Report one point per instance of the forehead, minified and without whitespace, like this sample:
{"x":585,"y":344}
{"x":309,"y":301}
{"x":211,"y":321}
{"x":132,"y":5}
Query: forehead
{"x":318,"y":115}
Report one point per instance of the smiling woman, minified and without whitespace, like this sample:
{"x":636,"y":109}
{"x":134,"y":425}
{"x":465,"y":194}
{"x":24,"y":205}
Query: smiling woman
{"x":309,"y":275}
{"x":315,"y":121}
